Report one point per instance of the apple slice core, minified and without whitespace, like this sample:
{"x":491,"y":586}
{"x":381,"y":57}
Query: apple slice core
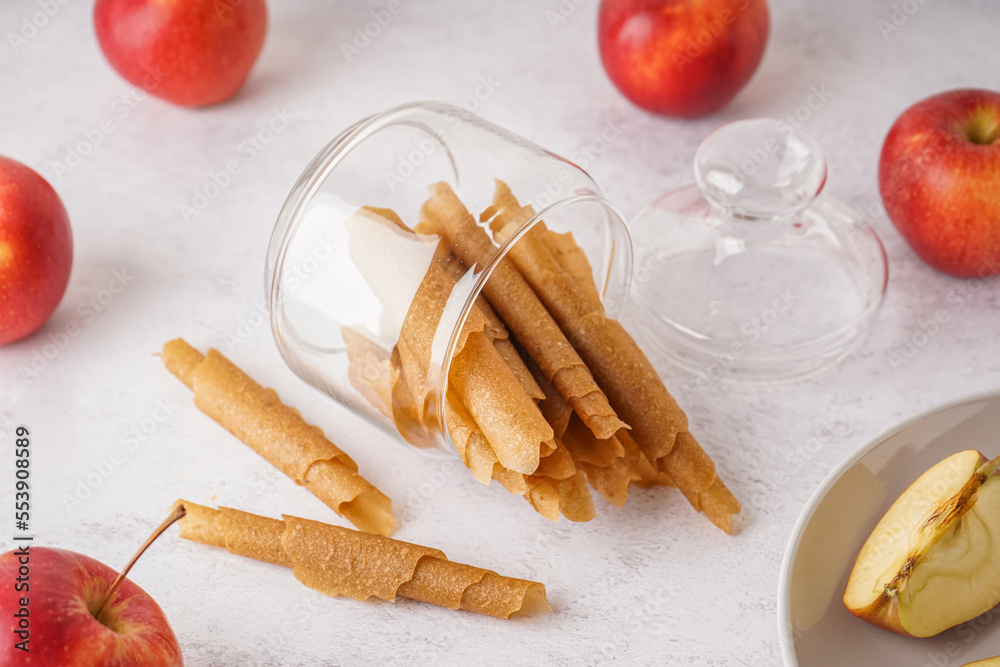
{"x":958,"y":578}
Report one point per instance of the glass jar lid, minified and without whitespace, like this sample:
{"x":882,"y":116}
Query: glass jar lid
{"x":751,"y":275}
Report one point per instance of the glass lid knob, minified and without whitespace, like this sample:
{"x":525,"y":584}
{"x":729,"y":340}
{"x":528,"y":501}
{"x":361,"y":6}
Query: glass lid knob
{"x":759,"y":168}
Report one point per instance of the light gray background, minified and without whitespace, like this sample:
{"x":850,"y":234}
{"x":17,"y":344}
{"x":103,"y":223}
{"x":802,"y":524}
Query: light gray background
{"x":648,"y":584}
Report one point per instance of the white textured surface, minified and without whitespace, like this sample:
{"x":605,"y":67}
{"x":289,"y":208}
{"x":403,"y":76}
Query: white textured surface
{"x":649,"y":584}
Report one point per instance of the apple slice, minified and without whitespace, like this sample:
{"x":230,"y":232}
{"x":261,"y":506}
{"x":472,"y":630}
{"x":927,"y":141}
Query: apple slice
{"x":933,"y":560}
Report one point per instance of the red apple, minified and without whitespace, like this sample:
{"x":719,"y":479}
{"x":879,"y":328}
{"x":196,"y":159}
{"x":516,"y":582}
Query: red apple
{"x":63,"y":590}
{"x":939,"y":175}
{"x":685,"y":58}
{"x":36,"y":250}
{"x":189,"y":52}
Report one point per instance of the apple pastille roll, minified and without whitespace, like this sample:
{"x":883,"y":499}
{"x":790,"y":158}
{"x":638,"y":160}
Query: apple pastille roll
{"x":474,"y":449}
{"x":585,"y":448}
{"x":588,"y":451}
{"x":488,"y":388}
{"x":556,"y":486}
{"x":370,"y":372}
{"x":279,"y":434}
{"x":563,"y":246}
{"x":511,"y":297}
{"x":338,"y":561}
{"x":607,"y":465}
{"x":491,"y":409}
{"x":565,"y":492}
{"x":445,"y":216}
{"x":658,"y":425}
{"x":498,"y":333}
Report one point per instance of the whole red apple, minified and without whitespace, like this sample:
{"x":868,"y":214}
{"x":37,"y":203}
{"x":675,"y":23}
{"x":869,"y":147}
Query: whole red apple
{"x":61,"y":590}
{"x":189,"y":52}
{"x":685,"y":58}
{"x":939,"y":175}
{"x":36,"y":250}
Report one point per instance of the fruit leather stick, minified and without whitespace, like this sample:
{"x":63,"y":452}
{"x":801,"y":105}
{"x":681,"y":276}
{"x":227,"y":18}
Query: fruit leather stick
{"x":501,"y":340}
{"x":550,"y":497}
{"x":575,"y":501}
{"x":635,"y":390}
{"x":369,"y":370}
{"x":515,"y":361}
{"x":339,"y":561}
{"x":278,"y":432}
{"x":489,"y":390}
{"x":474,"y":449}
{"x":497,"y":332}
{"x":612,"y":465}
{"x":412,"y":308}
{"x":507,"y":416}
{"x":521,"y":310}
{"x":578,"y":504}
{"x":648,"y":474}
{"x":556,"y":486}
{"x":571,"y":257}
{"x":582,"y":445}
{"x":564,"y":248}
{"x":370,"y":373}
{"x":558,"y":464}
{"x":403,"y":270}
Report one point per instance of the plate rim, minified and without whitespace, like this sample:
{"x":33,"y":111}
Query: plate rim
{"x":791,"y":548}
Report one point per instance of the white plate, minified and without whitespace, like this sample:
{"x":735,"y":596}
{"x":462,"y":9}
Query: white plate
{"x":814,"y":626}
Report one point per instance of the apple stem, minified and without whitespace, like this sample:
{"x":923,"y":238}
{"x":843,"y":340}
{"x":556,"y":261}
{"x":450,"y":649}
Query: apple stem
{"x":984,"y":127}
{"x":175,"y":515}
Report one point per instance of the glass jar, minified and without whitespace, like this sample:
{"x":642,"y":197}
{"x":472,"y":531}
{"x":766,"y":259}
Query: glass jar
{"x":340,"y":284}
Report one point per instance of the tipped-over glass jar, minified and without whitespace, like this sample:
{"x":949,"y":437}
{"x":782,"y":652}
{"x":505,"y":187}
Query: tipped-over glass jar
{"x":353,"y":256}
